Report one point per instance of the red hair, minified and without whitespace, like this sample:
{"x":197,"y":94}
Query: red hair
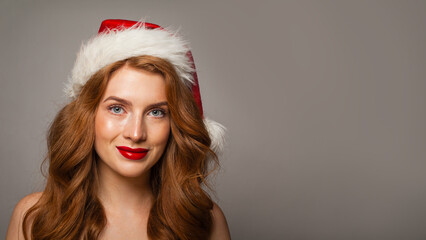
{"x":69,"y":207}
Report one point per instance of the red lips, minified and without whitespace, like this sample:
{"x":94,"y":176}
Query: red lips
{"x":132,"y":153}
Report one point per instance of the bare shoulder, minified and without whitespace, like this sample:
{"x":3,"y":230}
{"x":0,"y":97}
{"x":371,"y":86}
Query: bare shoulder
{"x":26,"y":202}
{"x":15,"y":225}
{"x":220,"y":230}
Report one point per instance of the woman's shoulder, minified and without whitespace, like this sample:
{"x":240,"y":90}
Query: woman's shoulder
{"x":220,"y":228}
{"x":15,"y":225}
{"x":26,"y":202}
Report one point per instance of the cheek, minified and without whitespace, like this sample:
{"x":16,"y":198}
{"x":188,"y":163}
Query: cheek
{"x":106,"y":128}
{"x":160,"y":134}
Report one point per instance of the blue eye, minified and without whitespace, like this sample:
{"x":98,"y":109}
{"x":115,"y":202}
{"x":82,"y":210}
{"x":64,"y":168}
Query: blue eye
{"x":116,"y":109}
{"x":157,"y":113}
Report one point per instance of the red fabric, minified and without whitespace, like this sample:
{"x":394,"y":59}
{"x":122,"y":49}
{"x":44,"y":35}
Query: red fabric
{"x":118,"y":23}
{"x":110,"y":24}
{"x":195,"y":87}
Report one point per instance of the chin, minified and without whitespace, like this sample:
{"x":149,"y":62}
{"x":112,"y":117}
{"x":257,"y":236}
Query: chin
{"x":132,"y":171}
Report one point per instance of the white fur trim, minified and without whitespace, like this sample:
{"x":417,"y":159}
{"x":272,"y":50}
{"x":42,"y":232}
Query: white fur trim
{"x":116,"y":45}
{"x":217,"y":135}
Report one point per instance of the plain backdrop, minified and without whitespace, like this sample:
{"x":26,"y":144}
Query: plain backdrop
{"x":324,"y":102}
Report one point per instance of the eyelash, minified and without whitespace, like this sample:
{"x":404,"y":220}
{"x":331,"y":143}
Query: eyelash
{"x":163,"y":113}
{"x":110,"y":108}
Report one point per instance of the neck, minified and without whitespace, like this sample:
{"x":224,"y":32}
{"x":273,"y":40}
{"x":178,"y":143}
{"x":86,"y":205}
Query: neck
{"x":121,"y":193}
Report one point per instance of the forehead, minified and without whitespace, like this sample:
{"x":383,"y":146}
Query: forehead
{"x":136,"y":85}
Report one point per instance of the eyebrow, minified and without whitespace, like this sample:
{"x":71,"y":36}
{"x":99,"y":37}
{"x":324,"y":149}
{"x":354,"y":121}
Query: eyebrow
{"x":125,"y":102}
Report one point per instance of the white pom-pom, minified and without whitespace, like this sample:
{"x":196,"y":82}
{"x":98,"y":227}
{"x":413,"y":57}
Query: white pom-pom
{"x":217,"y":135}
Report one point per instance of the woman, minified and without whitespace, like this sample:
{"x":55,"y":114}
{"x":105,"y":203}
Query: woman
{"x":129,"y":155}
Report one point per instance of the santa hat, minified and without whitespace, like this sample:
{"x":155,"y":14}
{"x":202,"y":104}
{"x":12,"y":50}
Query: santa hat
{"x":121,"y":39}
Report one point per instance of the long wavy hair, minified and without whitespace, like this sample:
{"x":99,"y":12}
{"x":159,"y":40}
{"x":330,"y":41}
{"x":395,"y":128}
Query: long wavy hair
{"x":69,"y":207}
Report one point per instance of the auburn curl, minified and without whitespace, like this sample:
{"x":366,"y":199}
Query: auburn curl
{"x":69,"y":207}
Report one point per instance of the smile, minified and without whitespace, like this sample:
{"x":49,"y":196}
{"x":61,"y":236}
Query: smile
{"x":132,"y":153}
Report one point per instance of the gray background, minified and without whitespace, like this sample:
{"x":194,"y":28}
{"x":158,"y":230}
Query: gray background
{"x":324,"y":102}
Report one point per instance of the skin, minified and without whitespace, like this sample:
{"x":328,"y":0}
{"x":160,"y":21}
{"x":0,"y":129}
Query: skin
{"x":127,"y":117}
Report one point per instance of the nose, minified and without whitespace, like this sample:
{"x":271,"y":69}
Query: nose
{"x":135,"y":129}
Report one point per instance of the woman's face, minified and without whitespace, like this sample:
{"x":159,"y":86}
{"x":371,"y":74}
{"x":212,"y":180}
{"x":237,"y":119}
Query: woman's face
{"x":132,"y":123}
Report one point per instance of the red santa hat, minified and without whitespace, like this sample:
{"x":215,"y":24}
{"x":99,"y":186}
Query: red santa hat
{"x":121,"y":39}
